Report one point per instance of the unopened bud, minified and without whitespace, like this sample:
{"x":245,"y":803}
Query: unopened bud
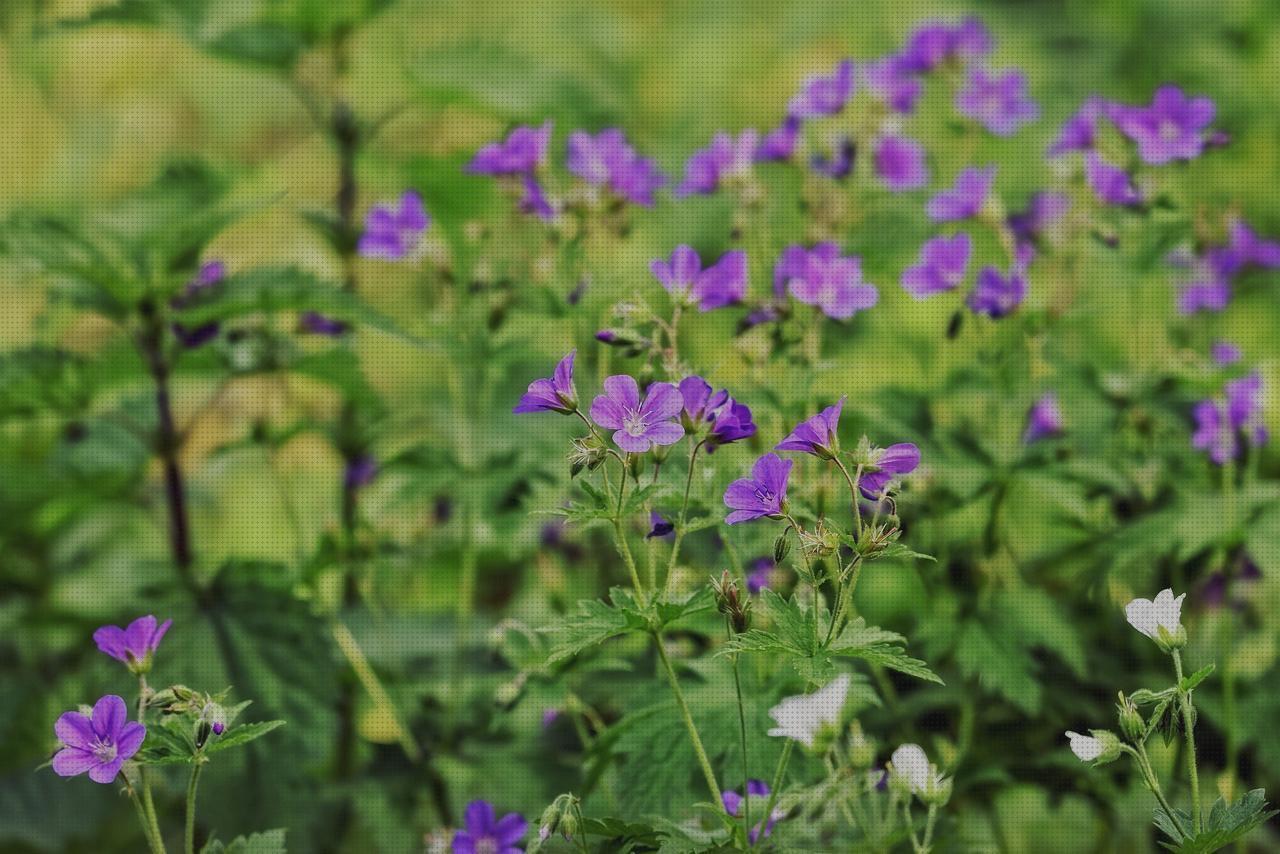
{"x":1131,"y":722}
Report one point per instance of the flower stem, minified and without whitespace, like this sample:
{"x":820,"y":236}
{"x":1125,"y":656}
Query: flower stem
{"x":742,"y":736}
{"x":928,"y":828}
{"x":1153,"y":783}
{"x":154,"y":841}
{"x":190,"y":836}
{"x":1188,"y":723}
{"x":698,"y":749}
{"x":778,"y":774}
{"x":621,"y":536}
{"x":684,"y":510}
{"x":853,"y":495}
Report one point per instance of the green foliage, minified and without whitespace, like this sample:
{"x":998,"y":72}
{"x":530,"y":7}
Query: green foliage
{"x":1227,"y":823}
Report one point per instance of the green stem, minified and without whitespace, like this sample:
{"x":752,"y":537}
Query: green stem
{"x":742,"y":736}
{"x":1184,"y":700}
{"x":698,"y":749}
{"x":149,"y":806}
{"x":778,"y":774}
{"x":684,"y":510}
{"x":154,"y":840}
{"x":853,"y":495}
{"x":620,"y":535}
{"x":1153,"y":783}
{"x":911,"y":827}
{"x":191,"y":807}
{"x":928,"y":827}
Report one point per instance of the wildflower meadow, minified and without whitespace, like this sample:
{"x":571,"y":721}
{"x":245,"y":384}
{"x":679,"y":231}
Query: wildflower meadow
{"x":549,"y":426}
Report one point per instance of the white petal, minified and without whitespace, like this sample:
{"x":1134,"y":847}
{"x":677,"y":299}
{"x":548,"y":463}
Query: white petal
{"x":910,"y":762}
{"x":1085,"y":747}
{"x":1141,"y":615}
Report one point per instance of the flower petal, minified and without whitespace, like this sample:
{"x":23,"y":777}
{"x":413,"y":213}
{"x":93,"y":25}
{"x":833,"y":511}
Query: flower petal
{"x":70,"y":762}
{"x":109,"y":715}
{"x":74,"y":730}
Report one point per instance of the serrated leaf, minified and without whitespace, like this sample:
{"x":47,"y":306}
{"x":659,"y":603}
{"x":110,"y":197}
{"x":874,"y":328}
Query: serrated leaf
{"x":595,"y":623}
{"x":242,"y":734}
{"x":266,"y":842}
{"x":1189,"y":683}
{"x":1227,"y":823}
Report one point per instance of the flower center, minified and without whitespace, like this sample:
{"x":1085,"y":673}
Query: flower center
{"x":765,"y":496}
{"x":487,"y":845}
{"x":103,"y":751}
{"x":1168,"y":131}
{"x":635,"y":425}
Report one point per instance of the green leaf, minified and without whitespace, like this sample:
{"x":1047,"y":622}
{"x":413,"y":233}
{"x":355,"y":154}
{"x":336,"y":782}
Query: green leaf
{"x":1189,"y":683}
{"x":271,"y":289}
{"x":1227,"y":823}
{"x":266,"y":842}
{"x":882,"y":647}
{"x":595,"y":623}
{"x":242,"y":734}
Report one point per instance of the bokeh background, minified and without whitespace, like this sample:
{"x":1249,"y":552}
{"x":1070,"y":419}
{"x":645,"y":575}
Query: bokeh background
{"x":1020,"y":615}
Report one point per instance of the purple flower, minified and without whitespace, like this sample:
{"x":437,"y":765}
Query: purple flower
{"x":1043,"y":210}
{"x":198,"y":337}
{"x":824,"y":278}
{"x":523,"y":152}
{"x":761,"y":575}
{"x":732,"y":802}
{"x":891,"y":462}
{"x":899,"y":162}
{"x":934,"y":43}
{"x":999,"y":103}
{"x":727,"y":420}
{"x":1226,"y":353}
{"x":1208,"y":294}
{"x":659,"y":526}
{"x":817,"y":435}
{"x":316,"y":323}
{"x":839,"y":163}
{"x":824,"y":96}
{"x":534,"y":199}
{"x":780,"y":143}
{"x":726,"y":157}
{"x":1044,"y":419}
{"x":1111,"y":184}
{"x":1244,"y":407}
{"x":638,"y":426}
{"x":485,"y":833}
{"x":761,"y":495}
{"x":1171,"y":128}
{"x":209,"y":274}
{"x":608,"y":159}
{"x":361,"y":471}
{"x":721,"y":284}
{"x":891,"y":81}
{"x":100,"y":743}
{"x":393,"y":233}
{"x":553,"y":394}
{"x":996,"y":295}
{"x":1213,"y":433}
{"x":942,"y":265}
{"x":965,"y":198}
{"x":1248,"y":248}
{"x":133,"y":645}
{"x":1081,"y":130}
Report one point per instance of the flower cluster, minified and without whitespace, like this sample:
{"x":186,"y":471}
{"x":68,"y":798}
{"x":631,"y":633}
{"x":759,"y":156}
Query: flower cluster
{"x":1225,"y":427}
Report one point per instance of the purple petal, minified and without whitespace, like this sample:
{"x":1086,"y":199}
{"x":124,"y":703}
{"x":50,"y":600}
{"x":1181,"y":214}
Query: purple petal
{"x":71,"y":761}
{"x":106,"y":772}
{"x":623,"y":389}
{"x":510,"y":829}
{"x":130,"y":740}
{"x":111,"y":640}
{"x":74,"y":730}
{"x":667,"y":433}
{"x":631,"y":444}
{"x":662,"y":401}
{"x":479,"y":818}
{"x":109,"y":715}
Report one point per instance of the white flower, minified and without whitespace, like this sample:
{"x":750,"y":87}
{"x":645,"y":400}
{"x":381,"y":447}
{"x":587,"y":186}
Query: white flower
{"x":1165,"y":613}
{"x":801,"y":717}
{"x":910,"y":764}
{"x":1085,"y":747}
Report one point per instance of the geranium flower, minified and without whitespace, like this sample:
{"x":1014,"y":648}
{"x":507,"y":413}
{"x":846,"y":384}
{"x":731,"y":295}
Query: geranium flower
{"x":1080,"y":132}
{"x":942,"y":266}
{"x":392,"y":233}
{"x":1099,"y":747}
{"x":757,"y":789}
{"x":1160,"y":620}
{"x":824,"y":278}
{"x":890,"y":80}
{"x":1044,"y":419}
{"x":134,"y":645}
{"x":900,"y":163}
{"x":485,"y":833}
{"x":816,"y":435}
{"x":726,"y":157}
{"x":638,"y":426}
{"x":888,"y":463}
{"x":100,"y":743}
{"x":995,"y":294}
{"x":1170,"y":128}
{"x":824,"y":95}
{"x":780,"y":143}
{"x":607,"y":159}
{"x":1111,"y":184}
{"x":802,"y":717}
{"x":965,"y":198}
{"x":721,"y":284}
{"x":523,"y":152}
{"x":552,"y":394}
{"x":760,"y":495}
{"x":999,"y":103}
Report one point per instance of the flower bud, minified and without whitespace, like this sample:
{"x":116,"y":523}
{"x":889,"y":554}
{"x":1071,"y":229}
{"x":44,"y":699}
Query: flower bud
{"x":937,"y":792}
{"x":781,"y":548}
{"x":1131,"y":722}
{"x":1100,"y":746}
{"x":729,"y":601}
{"x":862,"y":750}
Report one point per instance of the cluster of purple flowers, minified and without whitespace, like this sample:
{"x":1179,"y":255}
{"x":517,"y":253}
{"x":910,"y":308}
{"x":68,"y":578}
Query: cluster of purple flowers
{"x":764,"y":494}
{"x":663,"y":416}
{"x":1210,"y":273}
{"x":392,"y":233}
{"x":1172,"y":127}
{"x":100,"y":742}
{"x":608,"y":160}
{"x":824,"y":278}
{"x":723,"y":283}
{"x":1224,"y":427}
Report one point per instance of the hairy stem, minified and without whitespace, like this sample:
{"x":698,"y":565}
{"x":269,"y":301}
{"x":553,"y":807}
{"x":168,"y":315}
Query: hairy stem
{"x":778,"y":774}
{"x":149,"y":829}
{"x":190,"y":835}
{"x":928,"y":827}
{"x":1153,"y":783}
{"x":684,"y":510}
{"x":1188,"y":726}
{"x":742,"y":737}
{"x":712,"y":786}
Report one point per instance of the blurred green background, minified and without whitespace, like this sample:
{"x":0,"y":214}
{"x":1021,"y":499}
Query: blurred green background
{"x":99,"y":100}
